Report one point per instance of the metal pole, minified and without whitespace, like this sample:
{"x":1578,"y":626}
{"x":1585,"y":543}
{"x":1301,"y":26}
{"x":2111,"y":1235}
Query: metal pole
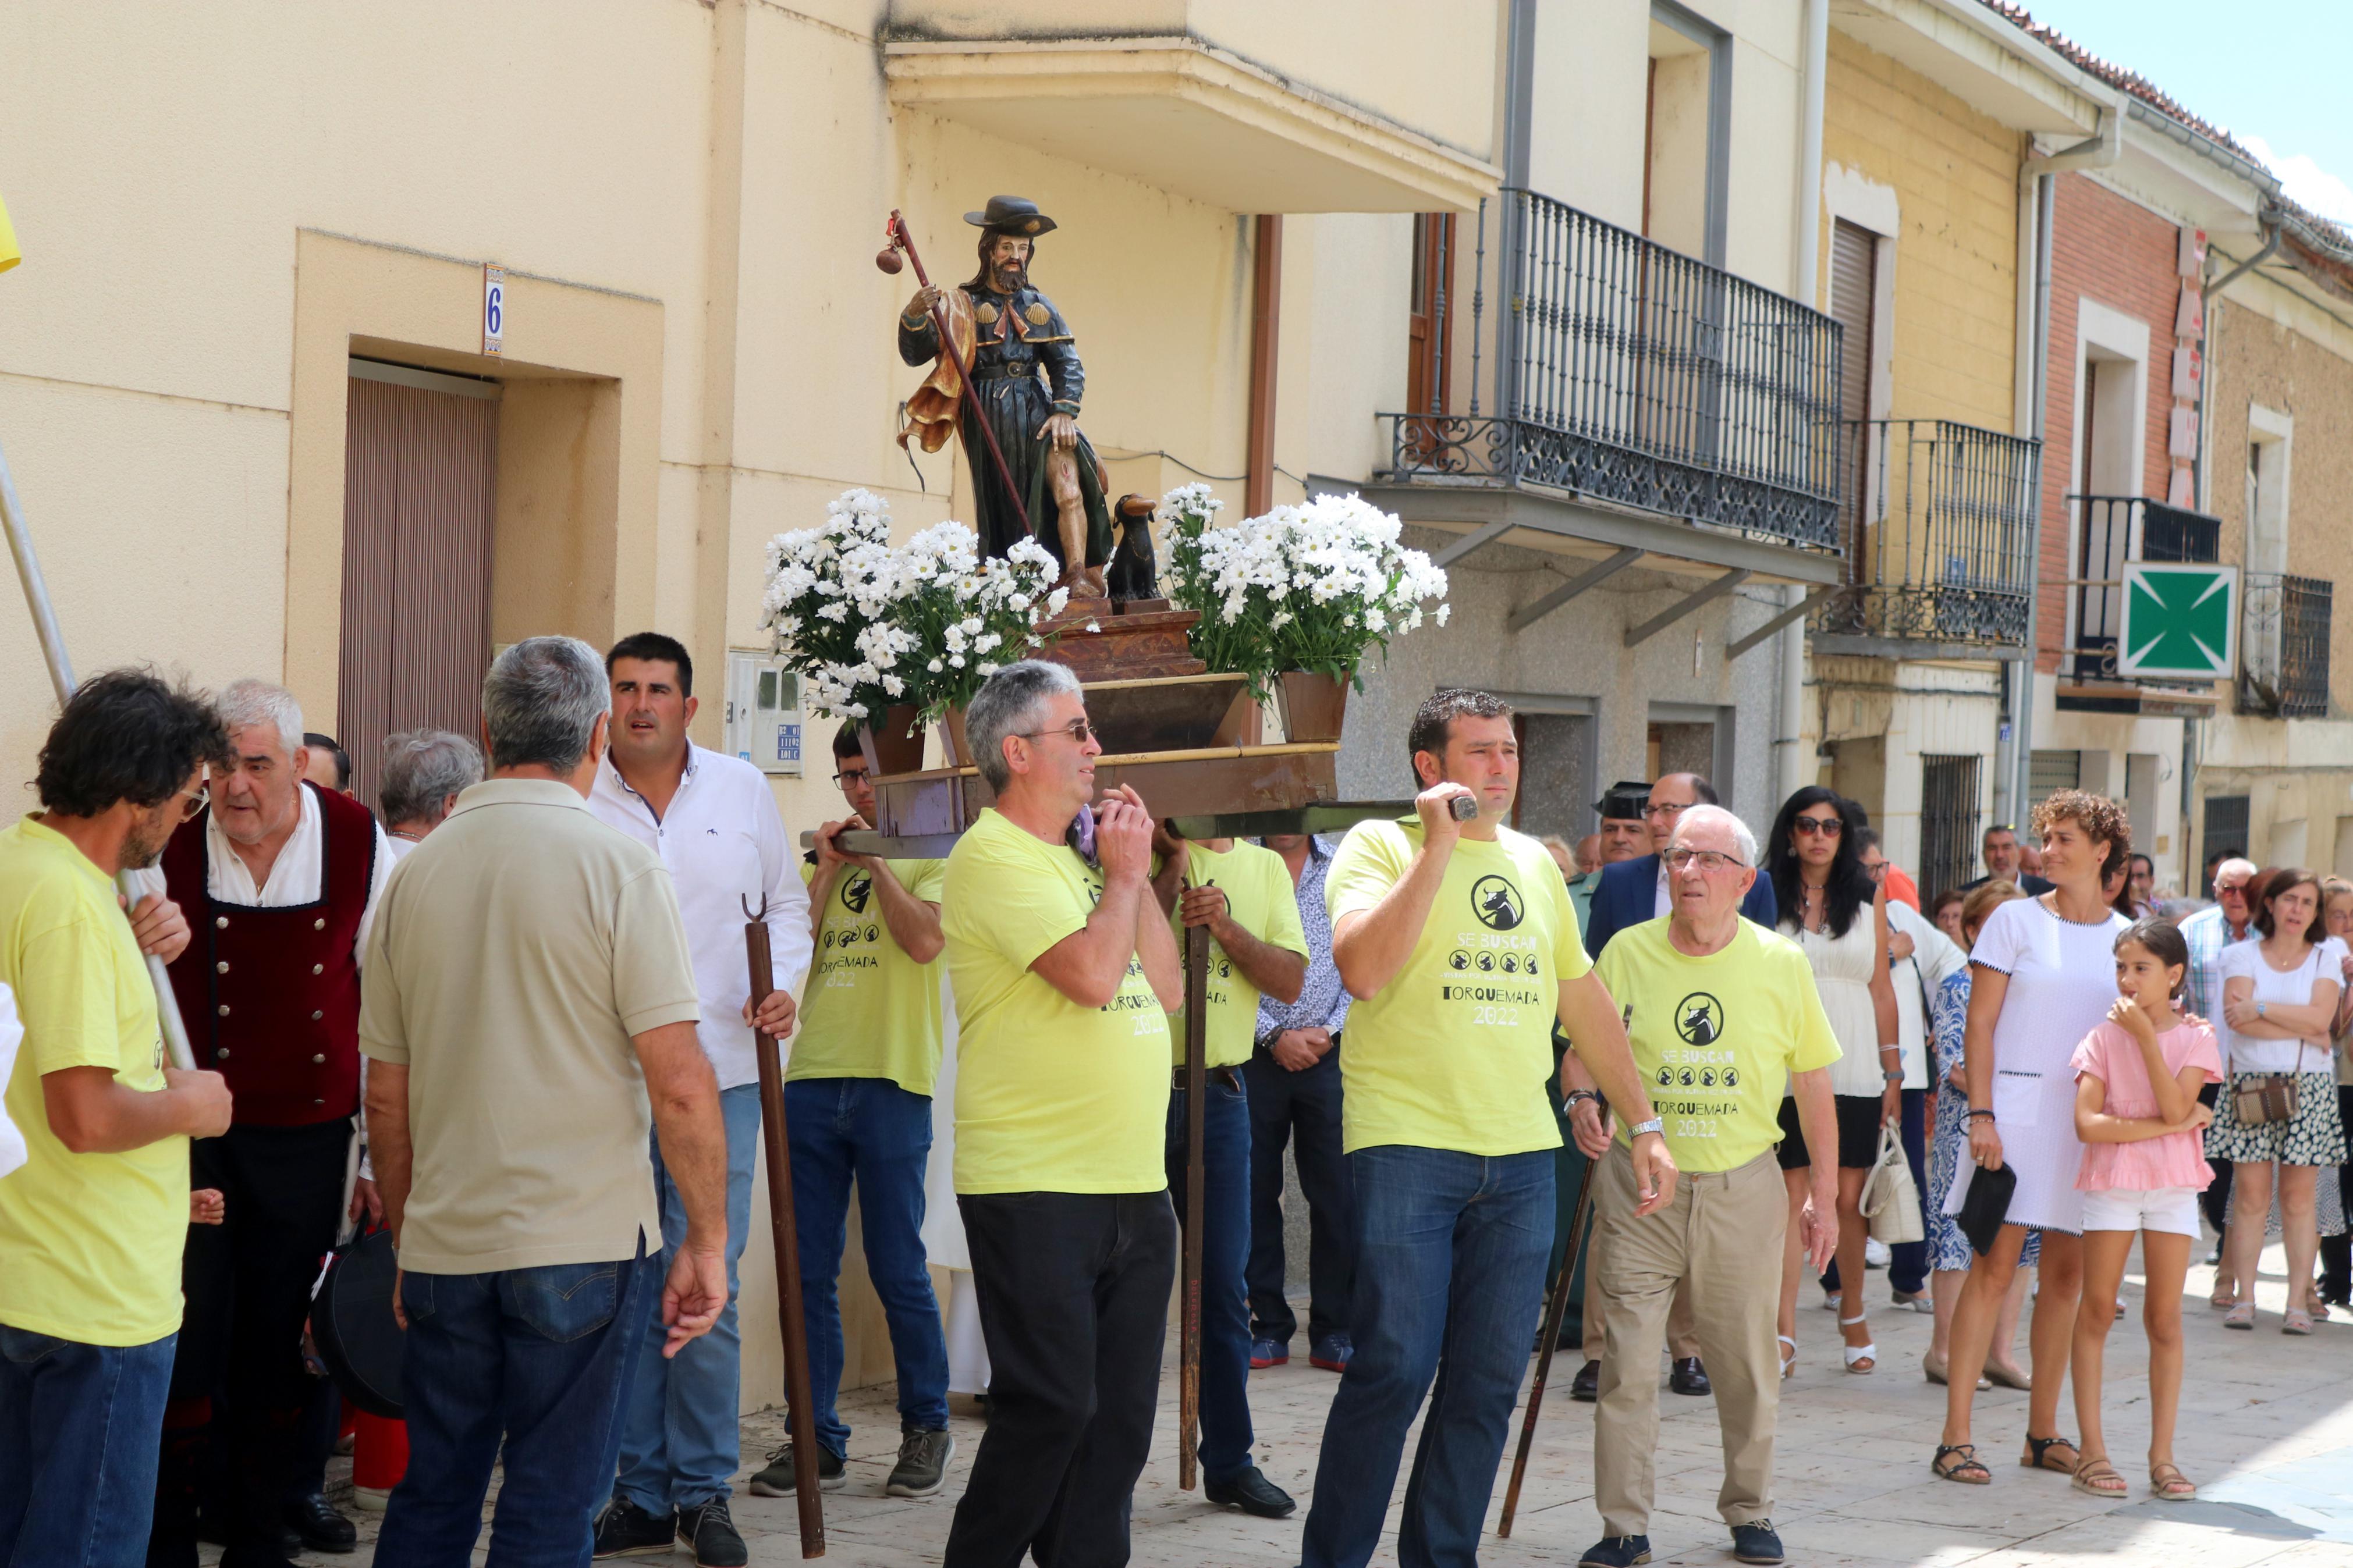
{"x":61,"y":678}
{"x":1196,"y":1083}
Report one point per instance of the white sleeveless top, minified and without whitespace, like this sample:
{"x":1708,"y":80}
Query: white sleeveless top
{"x":1842,"y":967}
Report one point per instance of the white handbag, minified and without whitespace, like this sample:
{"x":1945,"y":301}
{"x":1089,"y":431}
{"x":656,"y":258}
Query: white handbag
{"x":1891,"y":1201}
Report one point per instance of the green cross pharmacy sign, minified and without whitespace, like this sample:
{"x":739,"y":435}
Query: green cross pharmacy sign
{"x":2181,"y":622}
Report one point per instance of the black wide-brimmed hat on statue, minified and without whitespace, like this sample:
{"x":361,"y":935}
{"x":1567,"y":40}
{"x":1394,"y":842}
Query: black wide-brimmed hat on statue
{"x":1012,"y":214}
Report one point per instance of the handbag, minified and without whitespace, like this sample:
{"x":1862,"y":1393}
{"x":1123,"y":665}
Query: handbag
{"x":1986,"y":1206}
{"x":1891,"y":1200}
{"x":2259,"y":1099}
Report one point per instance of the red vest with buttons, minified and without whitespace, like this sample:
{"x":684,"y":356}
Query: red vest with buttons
{"x":271,"y":997}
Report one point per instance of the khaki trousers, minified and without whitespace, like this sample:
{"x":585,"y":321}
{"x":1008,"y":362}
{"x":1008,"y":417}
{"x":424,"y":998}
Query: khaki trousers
{"x":1681,"y":1336}
{"x":1721,"y":1237}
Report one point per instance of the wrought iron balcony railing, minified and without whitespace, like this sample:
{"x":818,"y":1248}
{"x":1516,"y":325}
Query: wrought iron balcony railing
{"x":1939,"y":519}
{"x":2284,"y":646}
{"x":2109,"y":531}
{"x":1632,"y":373}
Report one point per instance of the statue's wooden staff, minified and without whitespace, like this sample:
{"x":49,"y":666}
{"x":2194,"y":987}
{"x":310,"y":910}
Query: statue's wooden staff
{"x":1556,"y":1308}
{"x":1188,"y":1293}
{"x":62,"y":680}
{"x":786,"y":1236}
{"x":887,"y":259}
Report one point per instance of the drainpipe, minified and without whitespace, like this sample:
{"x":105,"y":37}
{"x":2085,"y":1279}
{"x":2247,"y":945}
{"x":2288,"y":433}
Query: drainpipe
{"x":1794,"y":764}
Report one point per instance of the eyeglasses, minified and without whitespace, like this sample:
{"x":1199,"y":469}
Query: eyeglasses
{"x":1711,"y":861}
{"x":1078,"y":730}
{"x":191,"y":801}
{"x":855,"y":776}
{"x":1828,"y":826}
{"x":2230,"y":889}
{"x":1667,"y":807}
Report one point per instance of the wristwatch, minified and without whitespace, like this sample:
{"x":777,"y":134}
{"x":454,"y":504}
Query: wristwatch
{"x":1894,"y":1076}
{"x":2259,"y":1009}
{"x":1575,"y":1095}
{"x":1653,"y":1125}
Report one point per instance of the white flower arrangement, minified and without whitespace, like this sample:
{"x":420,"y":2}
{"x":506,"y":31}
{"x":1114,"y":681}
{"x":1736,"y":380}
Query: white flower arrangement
{"x":1310,"y":587}
{"x":868,"y":626}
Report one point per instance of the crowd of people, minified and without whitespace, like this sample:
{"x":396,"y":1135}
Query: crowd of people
{"x":507,"y":1015}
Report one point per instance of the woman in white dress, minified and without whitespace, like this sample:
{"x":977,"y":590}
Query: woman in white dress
{"x":1834,"y":910}
{"x":2044,"y":974}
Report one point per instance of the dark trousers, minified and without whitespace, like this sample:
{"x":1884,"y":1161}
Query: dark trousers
{"x":1073,"y":1292}
{"x":1301,"y":1108}
{"x":239,"y":1360}
{"x":314,"y":1440}
{"x":522,"y":1368}
{"x":1226,"y":1433}
{"x":1907,"y":1265}
{"x":1568,"y":1164}
{"x":2215,"y":1199}
{"x":2336,"y":1251}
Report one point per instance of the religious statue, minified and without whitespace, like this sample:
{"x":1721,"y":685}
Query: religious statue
{"x":1014,"y":351}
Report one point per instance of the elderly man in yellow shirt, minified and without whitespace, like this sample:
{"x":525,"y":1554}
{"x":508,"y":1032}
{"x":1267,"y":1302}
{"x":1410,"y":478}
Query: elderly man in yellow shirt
{"x":1242,"y":895}
{"x":1457,"y":939}
{"x":1065,"y":974}
{"x":1722,"y":1014}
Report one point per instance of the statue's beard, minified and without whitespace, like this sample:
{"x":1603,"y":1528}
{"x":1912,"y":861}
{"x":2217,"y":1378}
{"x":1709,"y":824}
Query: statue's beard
{"x":1008,"y":275}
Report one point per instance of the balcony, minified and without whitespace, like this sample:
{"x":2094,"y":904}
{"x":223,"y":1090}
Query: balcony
{"x":2283,"y":646}
{"x":2109,"y":531}
{"x":1938,"y":521}
{"x":1642,"y":384}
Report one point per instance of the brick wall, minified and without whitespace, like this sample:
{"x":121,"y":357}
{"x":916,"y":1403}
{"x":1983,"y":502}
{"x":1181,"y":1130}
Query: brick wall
{"x":2108,"y":249}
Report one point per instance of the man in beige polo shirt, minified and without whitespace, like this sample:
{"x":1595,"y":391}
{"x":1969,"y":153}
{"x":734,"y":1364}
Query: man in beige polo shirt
{"x":529,"y":993}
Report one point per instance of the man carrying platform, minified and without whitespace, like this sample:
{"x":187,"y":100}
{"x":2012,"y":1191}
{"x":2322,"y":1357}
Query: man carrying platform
{"x":1457,"y":939}
{"x":858,"y":1106}
{"x":281,"y":879}
{"x":711,"y":821}
{"x":1243,"y":895}
{"x":1064,"y":973}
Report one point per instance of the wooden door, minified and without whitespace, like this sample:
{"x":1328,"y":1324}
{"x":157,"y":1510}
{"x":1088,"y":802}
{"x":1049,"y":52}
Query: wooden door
{"x":1427,"y":377}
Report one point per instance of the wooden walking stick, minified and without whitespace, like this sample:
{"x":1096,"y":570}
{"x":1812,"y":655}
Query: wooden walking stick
{"x":896,"y":233}
{"x":1556,"y":1308}
{"x":1196,"y":1083}
{"x":786,"y":1238}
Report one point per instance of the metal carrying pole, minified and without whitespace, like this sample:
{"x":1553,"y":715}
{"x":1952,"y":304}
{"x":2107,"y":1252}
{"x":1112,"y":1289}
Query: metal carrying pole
{"x":1556,"y":1308}
{"x":786,"y":1238}
{"x":53,"y":650}
{"x":1197,"y":1080}
{"x":907,"y":242}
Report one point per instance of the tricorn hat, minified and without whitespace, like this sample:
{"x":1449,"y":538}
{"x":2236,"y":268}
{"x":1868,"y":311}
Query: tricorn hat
{"x":1624,"y":801}
{"x":1012,"y":214}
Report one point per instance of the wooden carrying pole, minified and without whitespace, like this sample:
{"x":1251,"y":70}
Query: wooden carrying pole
{"x":1556,"y":1308}
{"x":907,"y":242}
{"x":786,"y":1236}
{"x":1197,"y":1080}
{"x":61,"y":678}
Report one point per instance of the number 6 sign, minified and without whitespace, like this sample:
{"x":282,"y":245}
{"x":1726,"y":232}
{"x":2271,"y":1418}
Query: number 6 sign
{"x":494,"y":307}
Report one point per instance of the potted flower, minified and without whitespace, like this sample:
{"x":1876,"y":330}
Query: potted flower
{"x":828,"y":605}
{"x":959,"y":617}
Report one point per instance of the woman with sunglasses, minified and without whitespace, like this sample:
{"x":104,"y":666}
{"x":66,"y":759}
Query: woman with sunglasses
{"x":2043,"y":977}
{"x":1834,"y":910}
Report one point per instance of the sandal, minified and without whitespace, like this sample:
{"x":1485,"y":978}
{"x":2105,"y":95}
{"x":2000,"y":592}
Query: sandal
{"x":2099,"y":1479}
{"x":2038,"y":1456}
{"x":2241,"y":1315}
{"x":1790,"y":1356}
{"x":1966,"y":1468}
{"x":2224,"y":1294}
{"x":2168,"y":1484}
{"x":1864,"y":1359}
{"x":2294,"y":1322}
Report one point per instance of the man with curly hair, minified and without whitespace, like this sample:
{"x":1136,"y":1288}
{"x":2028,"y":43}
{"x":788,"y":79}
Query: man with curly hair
{"x":92,"y":1226}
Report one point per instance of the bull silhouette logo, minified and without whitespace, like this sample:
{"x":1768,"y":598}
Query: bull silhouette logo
{"x":1497,"y":903}
{"x":855,"y":890}
{"x":1458,"y":959}
{"x":1699,"y":1019}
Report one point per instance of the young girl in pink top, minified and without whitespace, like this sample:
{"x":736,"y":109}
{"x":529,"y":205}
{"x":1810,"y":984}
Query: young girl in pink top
{"x":2136,"y":1081}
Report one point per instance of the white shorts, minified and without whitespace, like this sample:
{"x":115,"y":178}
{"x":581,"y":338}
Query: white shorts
{"x":2173,"y":1209}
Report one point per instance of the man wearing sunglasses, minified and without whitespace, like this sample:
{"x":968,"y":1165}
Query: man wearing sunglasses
{"x":1065,"y":972}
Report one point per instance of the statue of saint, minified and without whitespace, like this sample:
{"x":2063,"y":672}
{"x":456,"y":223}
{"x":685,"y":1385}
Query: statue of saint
{"x":1017,"y":352}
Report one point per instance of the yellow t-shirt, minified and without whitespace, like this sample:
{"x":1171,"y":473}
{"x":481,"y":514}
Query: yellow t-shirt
{"x":1262,"y":900}
{"x":89,"y":1244}
{"x":1455,"y":1052}
{"x":1050,"y":1097}
{"x":1715,"y":1038}
{"x":870,"y":1011}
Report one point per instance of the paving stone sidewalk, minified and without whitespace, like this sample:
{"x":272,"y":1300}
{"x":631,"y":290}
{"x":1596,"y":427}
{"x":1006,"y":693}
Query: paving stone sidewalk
{"x":2266,"y":1430}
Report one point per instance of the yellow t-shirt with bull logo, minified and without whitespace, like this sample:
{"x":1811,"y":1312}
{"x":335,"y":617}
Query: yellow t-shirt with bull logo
{"x":1715,"y":1038}
{"x":1455,"y":1052}
{"x":869,"y":1009}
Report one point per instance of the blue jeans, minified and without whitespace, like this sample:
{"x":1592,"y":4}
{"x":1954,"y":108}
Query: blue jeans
{"x":872,"y":1131}
{"x":679,"y":1438}
{"x":79,"y":1432}
{"x":535,"y":1359}
{"x":1225,"y":1449}
{"x":1451,"y":1253}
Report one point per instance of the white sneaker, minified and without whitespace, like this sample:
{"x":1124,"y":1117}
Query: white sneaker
{"x":1874,"y":1253}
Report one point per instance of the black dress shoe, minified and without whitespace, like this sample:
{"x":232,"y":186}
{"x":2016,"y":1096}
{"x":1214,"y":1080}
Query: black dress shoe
{"x":1252,"y":1493}
{"x":1688,"y":1377}
{"x":1587,"y":1384}
{"x":321,"y":1528}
